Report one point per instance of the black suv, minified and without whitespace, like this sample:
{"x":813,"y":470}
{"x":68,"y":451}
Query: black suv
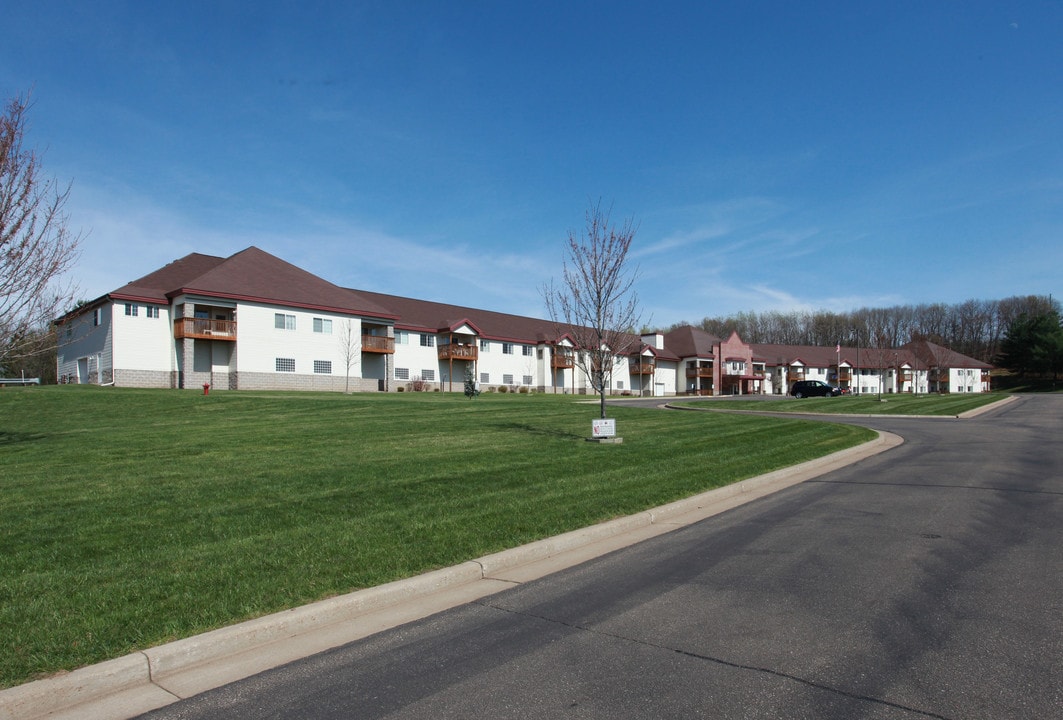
{"x":813,"y":388}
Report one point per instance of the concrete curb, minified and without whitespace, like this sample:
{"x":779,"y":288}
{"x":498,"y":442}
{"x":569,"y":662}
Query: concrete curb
{"x":140,"y":682}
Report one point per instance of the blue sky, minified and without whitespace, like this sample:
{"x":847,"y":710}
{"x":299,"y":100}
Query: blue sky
{"x":775,"y":155}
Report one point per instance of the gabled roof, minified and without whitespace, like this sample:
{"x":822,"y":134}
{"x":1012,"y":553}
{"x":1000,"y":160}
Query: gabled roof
{"x":928,"y":354}
{"x":432,"y":317}
{"x":251,"y":275}
{"x":690,"y":341}
{"x":154,"y":286}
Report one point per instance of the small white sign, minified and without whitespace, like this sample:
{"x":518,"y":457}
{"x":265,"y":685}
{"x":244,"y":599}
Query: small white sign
{"x":604,"y":428}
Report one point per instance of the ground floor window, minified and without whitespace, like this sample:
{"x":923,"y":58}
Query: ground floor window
{"x":507,"y":379}
{"x":428,"y":375}
{"x":527,"y":379}
{"x":402,"y":373}
{"x":285,"y":364}
{"x":485,"y":377}
{"x":323,"y":367}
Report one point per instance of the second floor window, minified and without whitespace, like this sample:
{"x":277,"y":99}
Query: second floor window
{"x":284,"y":322}
{"x":428,"y":340}
{"x":321,"y":325}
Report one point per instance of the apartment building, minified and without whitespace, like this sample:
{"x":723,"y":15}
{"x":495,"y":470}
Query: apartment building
{"x":255,"y":322}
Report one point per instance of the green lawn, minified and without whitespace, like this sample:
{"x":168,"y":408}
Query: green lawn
{"x":129,"y":518}
{"x":943,"y":405}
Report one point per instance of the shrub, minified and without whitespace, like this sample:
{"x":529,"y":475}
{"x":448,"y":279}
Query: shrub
{"x":523,"y":389}
{"x":503,"y":388}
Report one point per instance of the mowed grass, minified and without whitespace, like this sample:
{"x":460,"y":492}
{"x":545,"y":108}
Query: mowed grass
{"x":890,"y":404}
{"x":129,"y":518}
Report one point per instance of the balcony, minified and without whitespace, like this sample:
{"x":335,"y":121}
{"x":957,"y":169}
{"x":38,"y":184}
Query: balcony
{"x":562,"y":359}
{"x":701,"y":371}
{"x":795,"y":376}
{"x":845,"y":375}
{"x":641,"y":368}
{"x":204,"y":329}
{"x":457,"y":351}
{"x":378,"y":344}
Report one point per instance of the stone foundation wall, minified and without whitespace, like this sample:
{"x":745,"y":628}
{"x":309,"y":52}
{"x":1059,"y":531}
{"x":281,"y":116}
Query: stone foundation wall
{"x":139,"y":378}
{"x":293,"y":381}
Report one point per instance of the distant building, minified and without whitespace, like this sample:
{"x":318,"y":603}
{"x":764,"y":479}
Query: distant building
{"x":255,"y":322}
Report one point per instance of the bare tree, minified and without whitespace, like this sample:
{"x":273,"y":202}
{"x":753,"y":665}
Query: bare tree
{"x":596,"y":302}
{"x":350,"y":350}
{"x":36,"y":248}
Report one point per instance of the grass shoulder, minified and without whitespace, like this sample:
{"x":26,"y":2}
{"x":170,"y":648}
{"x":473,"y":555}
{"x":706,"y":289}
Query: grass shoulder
{"x":892,"y":404}
{"x":129,"y":518}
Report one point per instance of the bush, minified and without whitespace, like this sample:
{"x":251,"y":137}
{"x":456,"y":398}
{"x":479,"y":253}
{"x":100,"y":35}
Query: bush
{"x":503,"y":389}
{"x":523,"y":389}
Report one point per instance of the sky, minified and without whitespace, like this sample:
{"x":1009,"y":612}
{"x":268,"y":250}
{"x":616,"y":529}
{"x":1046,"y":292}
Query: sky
{"x":773,"y":156}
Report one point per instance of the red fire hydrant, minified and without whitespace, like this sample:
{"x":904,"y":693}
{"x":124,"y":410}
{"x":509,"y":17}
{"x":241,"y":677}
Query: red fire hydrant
{"x":206,"y":388}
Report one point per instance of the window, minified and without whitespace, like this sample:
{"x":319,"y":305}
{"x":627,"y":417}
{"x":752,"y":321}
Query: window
{"x":507,"y":348}
{"x":97,"y":316}
{"x":507,"y":379}
{"x":402,"y":337}
{"x":284,"y":322}
{"x":526,"y":350}
{"x":485,"y":346}
{"x":321,"y":325}
{"x":428,"y":340}
{"x":485,"y":377}
{"x":151,"y":311}
{"x":428,"y":375}
{"x":323,"y":367}
{"x":527,"y":380}
{"x":402,"y":373}
{"x":285,"y":364}
{"x":130,"y":309}
{"x":619,"y":384}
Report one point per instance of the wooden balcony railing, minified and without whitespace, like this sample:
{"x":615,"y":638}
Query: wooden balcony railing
{"x":641,"y":368}
{"x":845,"y":375}
{"x":204,"y":329}
{"x":795,"y":376}
{"x":454,"y":351}
{"x":378,"y":344}
{"x":699,"y":372}
{"x":562,"y":359}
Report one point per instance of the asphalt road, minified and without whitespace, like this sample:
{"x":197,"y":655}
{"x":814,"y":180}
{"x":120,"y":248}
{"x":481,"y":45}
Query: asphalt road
{"x":925,"y":582}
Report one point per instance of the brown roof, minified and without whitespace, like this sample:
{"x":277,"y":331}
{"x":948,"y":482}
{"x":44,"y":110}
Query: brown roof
{"x":251,"y":275}
{"x":154,"y":286}
{"x":690,"y":341}
{"x":428,"y":316}
{"x":928,"y":354}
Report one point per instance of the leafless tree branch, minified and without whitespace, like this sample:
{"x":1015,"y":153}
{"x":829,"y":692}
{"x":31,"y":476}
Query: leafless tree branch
{"x":36,"y":247}
{"x":595,"y":302}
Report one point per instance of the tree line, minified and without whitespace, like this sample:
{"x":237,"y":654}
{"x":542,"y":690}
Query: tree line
{"x":976,"y":328}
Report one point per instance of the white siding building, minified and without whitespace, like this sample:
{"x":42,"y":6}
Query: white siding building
{"x":253,"y":321}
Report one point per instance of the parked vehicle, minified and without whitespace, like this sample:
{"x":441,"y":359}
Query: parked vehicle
{"x":813,"y":388}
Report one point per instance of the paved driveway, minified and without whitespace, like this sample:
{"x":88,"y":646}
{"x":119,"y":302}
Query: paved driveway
{"x":926,"y":582}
